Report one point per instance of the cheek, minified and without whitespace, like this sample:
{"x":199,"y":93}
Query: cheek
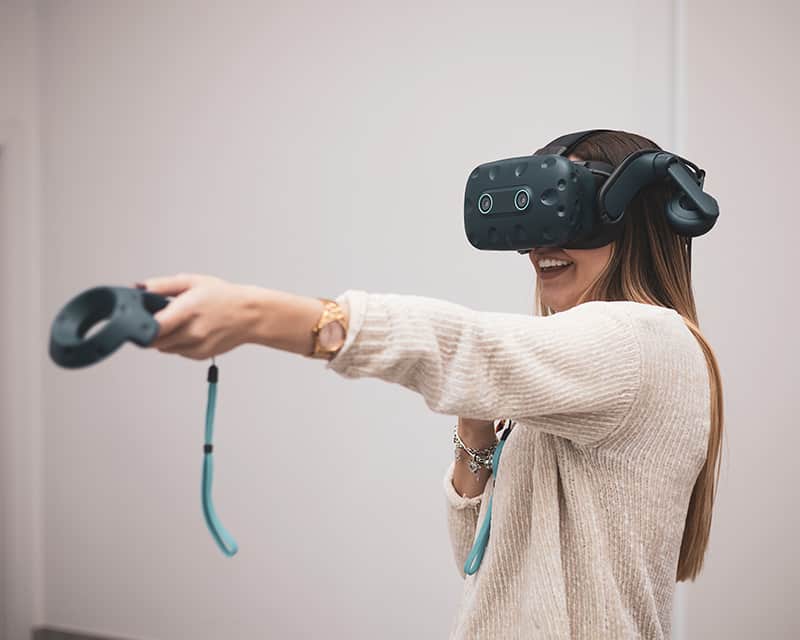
{"x":579,"y":277}
{"x":582,"y":275}
{"x":588,"y":267}
{"x":583,"y":272}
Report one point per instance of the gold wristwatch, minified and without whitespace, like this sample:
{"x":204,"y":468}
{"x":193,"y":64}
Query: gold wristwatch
{"x":330,"y":331}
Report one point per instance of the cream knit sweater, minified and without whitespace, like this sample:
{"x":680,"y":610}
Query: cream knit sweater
{"x":611,"y":404}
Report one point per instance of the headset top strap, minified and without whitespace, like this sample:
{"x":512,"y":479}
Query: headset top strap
{"x":565,"y":144}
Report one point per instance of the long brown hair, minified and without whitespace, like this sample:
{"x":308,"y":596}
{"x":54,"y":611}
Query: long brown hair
{"x":650,"y":264}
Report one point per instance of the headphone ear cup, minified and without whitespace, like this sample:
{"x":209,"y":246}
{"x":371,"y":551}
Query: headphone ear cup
{"x":684,"y":219}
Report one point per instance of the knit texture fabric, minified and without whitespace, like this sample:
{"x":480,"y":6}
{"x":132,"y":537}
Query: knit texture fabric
{"x":612,"y":414}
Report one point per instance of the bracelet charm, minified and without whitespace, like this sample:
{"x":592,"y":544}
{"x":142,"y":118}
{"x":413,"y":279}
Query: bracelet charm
{"x":479,"y":458}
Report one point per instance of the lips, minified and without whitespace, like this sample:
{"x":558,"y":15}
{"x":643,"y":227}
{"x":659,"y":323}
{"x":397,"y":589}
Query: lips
{"x":549,"y":274}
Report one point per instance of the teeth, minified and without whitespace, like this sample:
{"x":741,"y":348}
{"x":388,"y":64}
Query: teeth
{"x":552,"y":262}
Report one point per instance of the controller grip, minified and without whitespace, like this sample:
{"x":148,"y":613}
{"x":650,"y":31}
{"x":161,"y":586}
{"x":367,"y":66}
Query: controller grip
{"x":129,"y":314}
{"x":154,"y":302}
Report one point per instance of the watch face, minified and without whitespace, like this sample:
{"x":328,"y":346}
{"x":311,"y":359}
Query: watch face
{"x":331,"y":336}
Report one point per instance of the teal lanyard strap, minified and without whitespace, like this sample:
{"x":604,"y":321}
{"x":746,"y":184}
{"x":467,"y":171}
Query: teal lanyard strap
{"x":223,"y":539}
{"x":476,"y":555}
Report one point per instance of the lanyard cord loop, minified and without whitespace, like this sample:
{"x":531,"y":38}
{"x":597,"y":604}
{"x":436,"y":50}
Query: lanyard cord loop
{"x":476,"y":555}
{"x":221,"y":536}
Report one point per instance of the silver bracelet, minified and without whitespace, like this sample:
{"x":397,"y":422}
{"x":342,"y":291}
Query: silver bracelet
{"x":479,"y":458}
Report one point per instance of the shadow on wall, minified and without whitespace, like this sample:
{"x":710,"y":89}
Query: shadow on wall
{"x":48,"y":633}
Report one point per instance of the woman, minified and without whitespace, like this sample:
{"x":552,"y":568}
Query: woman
{"x":611,"y":396}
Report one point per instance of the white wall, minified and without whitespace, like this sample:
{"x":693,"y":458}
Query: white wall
{"x":178,"y":138}
{"x":21,"y":343}
{"x":743,"y":97}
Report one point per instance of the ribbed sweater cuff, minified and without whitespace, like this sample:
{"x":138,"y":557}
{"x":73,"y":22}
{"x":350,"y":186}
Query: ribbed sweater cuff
{"x":456,"y":501}
{"x":370,"y":325}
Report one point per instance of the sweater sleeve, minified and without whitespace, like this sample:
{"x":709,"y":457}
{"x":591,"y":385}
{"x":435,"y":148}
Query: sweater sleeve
{"x":582,"y":364}
{"x":462,"y":519}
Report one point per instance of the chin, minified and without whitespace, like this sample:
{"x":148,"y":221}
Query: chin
{"x":557,"y":305}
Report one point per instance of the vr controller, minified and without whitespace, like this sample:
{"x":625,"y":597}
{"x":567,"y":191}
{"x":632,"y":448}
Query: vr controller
{"x":548,"y":200}
{"x":129,"y":315}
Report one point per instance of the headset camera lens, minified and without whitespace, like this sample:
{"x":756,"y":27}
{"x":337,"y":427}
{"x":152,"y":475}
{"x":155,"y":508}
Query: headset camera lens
{"x":521,"y":200}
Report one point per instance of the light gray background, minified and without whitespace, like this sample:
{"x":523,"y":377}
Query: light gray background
{"x":143,"y":139}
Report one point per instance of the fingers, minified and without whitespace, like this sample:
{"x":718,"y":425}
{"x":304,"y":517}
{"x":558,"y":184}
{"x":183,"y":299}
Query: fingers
{"x":171,"y":340}
{"x":180,"y":331}
{"x":177,"y":346}
{"x":171,"y":285}
{"x":175,"y":314}
{"x":189,"y":343}
{"x":172,"y":317}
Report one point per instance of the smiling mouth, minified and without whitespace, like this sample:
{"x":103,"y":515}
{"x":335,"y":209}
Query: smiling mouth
{"x":561,"y":266}
{"x":550,"y":272}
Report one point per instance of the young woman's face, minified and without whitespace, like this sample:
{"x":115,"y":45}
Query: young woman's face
{"x":562,"y":286}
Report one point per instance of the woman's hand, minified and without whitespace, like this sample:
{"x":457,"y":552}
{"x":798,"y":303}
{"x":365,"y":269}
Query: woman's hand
{"x":208,"y":317}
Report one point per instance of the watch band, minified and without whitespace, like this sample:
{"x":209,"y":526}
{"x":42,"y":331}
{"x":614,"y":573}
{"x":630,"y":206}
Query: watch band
{"x":331,"y":312}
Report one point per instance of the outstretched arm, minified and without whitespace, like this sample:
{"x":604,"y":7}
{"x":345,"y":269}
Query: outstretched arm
{"x":583,"y":362}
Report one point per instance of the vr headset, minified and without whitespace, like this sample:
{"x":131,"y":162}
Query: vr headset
{"x":548,"y":200}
